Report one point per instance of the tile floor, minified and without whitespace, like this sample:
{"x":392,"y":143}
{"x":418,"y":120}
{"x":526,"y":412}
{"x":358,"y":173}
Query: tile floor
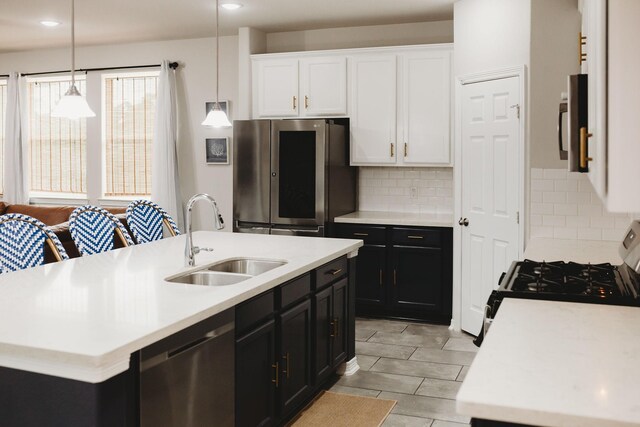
{"x":419,"y":365}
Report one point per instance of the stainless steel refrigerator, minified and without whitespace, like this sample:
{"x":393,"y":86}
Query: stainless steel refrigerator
{"x":291,"y":176}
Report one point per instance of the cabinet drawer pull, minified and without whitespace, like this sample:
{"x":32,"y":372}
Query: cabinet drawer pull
{"x":336,"y":325}
{"x":415,"y":237}
{"x":360,"y":234}
{"x":306,"y":102}
{"x":584,"y":159}
{"x":405,"y":149}
{"x":286,"y":358}
{"x":582,"y":56}
{"x":332,"y":329}
{"x":277,"y":368}
{"x":395,"y":278}
{"x":334,"y":271}
{"x":295,"y":105}
{"x":380,"y":277}
{"x":392,"y":149}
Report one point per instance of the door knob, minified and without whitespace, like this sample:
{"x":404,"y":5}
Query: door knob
{"x":463,"y":221}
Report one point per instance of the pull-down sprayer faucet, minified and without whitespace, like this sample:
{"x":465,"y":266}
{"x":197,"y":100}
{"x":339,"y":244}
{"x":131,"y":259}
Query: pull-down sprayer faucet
{"x":190,"y":251}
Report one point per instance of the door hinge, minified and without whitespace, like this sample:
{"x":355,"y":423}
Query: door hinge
{"x":518,"y":217}
{"x":517,"y":107}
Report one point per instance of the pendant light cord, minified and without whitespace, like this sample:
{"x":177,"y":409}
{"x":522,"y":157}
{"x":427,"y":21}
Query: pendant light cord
{"x":73,"y":43}
{"x":217,"y":58}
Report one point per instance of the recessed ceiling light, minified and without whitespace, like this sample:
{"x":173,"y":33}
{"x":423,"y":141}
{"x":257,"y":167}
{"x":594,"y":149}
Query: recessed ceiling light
{"x":50,"y":23}
{"x":231,"y":6}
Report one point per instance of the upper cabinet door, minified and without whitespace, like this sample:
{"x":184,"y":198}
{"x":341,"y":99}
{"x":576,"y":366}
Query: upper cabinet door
{"x":323,"y":86}
{"x":275,"y":85}
{"x":425,"y":103}
{"x":372,"y":108}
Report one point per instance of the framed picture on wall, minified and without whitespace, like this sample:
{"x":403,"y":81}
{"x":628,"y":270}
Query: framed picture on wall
{"x":217,"y":151}
{"x":224,"y":106}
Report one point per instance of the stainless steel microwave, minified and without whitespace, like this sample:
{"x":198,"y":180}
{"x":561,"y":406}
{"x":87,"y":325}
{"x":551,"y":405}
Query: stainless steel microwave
{"x":576,"y":149}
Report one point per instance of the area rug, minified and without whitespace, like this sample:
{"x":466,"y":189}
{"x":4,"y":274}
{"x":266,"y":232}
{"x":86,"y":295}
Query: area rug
{"x":344,"y":410}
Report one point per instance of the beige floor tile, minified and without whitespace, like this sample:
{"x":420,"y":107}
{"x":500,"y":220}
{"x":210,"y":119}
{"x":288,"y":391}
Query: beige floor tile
{"x":463,"y":373}
{"x":426,"y":341}
{"x":440,"y":423}
{"x":461,"y":344}
{"x":417,"y":369}
{"x":381,"y":381}
{"x":364,"y":334}
{"x":395,"y":420}
{"x":354,"y":390}
{"x":443,"y":356}
{"x":384,"y":350}
{"x":429,"y":329}
{"x":366,"y":362}
{"x":426,"y":407}
{"x":381,"y":325}
{"x":439,"y":388}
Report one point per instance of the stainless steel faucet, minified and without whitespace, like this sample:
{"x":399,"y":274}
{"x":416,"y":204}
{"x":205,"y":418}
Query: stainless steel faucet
{"x":190,"y":251}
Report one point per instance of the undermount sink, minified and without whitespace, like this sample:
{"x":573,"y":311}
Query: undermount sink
{"x":227,"y":272}
{"x":249,"y":266}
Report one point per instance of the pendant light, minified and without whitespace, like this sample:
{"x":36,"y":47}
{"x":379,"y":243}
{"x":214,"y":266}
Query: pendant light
{"x":216,"y":117}
{"x":72,"y":105}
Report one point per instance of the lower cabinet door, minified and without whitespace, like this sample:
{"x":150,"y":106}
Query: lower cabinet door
{"x":339,"y":322}
{"x":416,"y":278}
{"x":294,"y":356}
{"x":371,"y":275}
{"x":322,"y":330}
{"x":256,"y":377}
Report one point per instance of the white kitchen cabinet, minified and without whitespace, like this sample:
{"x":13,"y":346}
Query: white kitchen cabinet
{"x":614,"y":105}
{"x":424,"y":108}
{"x":400,"y":107}
{"x":305,"y":87}
{"x":372,"y":109}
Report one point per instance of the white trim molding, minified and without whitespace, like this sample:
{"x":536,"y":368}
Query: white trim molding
{"x":349,"y":367}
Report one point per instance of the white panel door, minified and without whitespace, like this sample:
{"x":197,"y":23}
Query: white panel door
{"x":323,"y":86}
{"x":372,"y":109}
{"x":490,"y":190}
{"x":425,"y":108}
{"x":275,"y":88}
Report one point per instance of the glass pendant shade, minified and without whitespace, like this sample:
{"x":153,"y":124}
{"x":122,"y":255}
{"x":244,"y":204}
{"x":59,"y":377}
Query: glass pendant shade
{"x":72,"y":106}
{"x":216,"y":118}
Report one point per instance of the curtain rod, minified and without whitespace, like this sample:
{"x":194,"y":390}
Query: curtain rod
{"x":172,"y":65}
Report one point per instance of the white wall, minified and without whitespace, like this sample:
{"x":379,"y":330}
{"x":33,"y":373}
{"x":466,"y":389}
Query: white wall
{"x":196,"y":85}
{"x":555,"y":25}
{"x":490,"y":34}
{"x":367,"y":36}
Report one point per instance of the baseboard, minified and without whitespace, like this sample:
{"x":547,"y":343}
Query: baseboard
{"x":349,"y":367}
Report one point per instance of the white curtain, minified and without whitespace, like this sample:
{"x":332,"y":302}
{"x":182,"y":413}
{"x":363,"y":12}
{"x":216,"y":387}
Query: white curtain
{"x":16,"y":185}
{"x":165,"y":189}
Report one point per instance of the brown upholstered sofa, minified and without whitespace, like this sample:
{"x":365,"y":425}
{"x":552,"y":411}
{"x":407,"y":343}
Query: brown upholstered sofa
{"x":57,"y":218}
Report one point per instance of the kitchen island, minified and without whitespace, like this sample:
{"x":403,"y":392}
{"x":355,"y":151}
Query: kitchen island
{"x":549,"y":363}
{"x":80,"y":321}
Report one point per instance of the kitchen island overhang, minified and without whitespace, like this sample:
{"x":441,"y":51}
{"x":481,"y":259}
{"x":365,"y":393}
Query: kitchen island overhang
{"x":83,"y":318}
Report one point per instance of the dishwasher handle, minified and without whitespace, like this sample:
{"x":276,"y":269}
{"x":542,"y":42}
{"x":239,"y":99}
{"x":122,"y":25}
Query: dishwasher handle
{"x":166,"y":355}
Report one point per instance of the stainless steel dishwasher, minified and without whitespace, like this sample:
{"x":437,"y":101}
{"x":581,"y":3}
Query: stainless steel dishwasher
{"x":187,"y":379}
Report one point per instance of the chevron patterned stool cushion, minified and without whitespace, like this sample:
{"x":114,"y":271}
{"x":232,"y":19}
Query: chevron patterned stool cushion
{"x":92,"y":229}
{"x":145,"y":220}
{"x":22,"y":242}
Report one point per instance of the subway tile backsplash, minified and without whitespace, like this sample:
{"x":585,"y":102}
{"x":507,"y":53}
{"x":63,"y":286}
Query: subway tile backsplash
{"x":565,"y":206}
{"x":412,"y":190}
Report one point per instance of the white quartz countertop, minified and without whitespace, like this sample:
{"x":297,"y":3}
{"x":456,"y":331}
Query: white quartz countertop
{"x":557,"y":364}
{"x":82,"y":318}
{"x":397,"y":218}
{"x":582,"y":251}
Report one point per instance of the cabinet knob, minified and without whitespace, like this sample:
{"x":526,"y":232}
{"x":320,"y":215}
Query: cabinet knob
{"x":463,"y":221}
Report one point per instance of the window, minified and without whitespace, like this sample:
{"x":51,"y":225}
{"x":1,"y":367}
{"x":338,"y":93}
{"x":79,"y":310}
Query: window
{"x":3,"y":113}
{"x":129,"y":106}
{"x":57,"y":147}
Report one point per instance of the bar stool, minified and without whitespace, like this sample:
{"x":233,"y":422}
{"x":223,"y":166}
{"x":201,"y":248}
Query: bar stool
{"x":22,"y":241}
{"x":93,"y":230}
{"x":145,"y":220}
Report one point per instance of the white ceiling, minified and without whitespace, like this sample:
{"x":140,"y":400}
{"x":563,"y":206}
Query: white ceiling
{"x":116,"y":21}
